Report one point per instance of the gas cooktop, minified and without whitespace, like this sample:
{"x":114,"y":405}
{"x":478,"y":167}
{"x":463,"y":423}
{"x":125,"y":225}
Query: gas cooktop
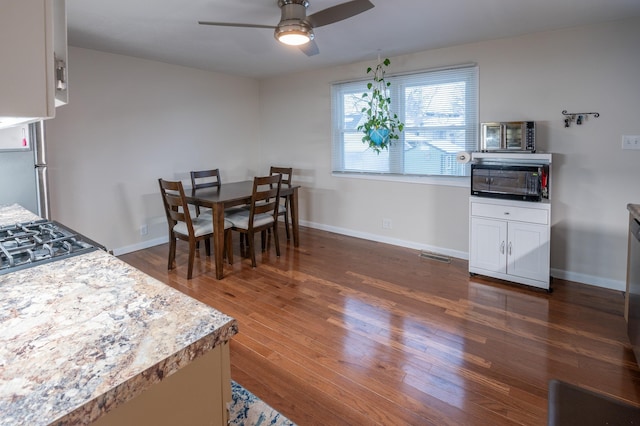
{"x":33,"y":243}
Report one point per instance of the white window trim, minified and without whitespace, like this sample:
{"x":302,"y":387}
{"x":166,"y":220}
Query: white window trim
{"x":454,"y":181}
{"x":457,"y":181}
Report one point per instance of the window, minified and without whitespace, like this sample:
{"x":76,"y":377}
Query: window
{"x":439,"y":109}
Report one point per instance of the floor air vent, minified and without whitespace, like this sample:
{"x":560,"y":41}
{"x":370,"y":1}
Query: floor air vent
{"x":435,"y":256}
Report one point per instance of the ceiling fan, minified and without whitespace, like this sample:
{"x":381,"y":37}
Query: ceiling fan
{"x":296,"y":28}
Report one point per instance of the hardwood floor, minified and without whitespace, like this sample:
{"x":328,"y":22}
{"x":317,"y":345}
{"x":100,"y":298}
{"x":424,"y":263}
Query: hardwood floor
{"x":344,"y":331}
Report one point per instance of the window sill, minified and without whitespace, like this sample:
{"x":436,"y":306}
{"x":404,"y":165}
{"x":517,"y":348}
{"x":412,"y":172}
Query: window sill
{"x":459,"y":181}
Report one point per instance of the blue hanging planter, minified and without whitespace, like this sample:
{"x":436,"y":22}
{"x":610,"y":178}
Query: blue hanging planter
{"x":379,"y":136}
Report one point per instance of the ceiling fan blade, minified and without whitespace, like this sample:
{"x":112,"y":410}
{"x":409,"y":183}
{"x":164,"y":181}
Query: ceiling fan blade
{"x":310,"y":48}
{"x":338,"y":12}
{"x":230,"y":24}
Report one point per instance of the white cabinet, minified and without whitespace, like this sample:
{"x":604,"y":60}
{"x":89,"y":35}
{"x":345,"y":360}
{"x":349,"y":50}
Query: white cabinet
{"x":34,"y":56}
{"x":510,"y":240}
{"x":487,"y":249}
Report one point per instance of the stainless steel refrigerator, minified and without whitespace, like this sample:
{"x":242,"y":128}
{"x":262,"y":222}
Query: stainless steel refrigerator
{"x":23,"y":168}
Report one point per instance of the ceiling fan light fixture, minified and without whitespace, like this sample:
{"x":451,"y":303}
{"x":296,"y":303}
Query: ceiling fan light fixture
{"x":294,"y":38}
{"x":294,"y":34}
{"x":296,"y":28}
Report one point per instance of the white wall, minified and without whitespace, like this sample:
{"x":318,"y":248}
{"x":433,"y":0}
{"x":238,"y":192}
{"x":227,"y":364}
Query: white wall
{"x":534,"y":77}
{"x":131,"y":121}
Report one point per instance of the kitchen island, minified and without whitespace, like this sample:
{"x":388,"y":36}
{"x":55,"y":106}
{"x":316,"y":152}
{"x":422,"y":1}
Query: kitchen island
{"x":89,"y":339}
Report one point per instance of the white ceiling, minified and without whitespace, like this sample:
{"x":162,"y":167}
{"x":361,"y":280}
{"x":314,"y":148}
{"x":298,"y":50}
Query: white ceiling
{"x":167,"y":30}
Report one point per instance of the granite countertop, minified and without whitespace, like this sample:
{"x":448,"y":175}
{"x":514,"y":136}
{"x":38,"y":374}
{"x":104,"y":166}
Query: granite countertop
{"x":634,"y":209}
{"x":15,"y":213}
{"x":82,"y":335}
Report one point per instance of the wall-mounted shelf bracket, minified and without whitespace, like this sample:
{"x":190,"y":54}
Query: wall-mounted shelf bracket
{"x":578,"y":117}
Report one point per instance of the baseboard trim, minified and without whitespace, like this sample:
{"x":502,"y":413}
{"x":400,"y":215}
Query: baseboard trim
{"x":556,"y":273}
{"x":140,"y":246}
{"x":393,"y":241}
{"x":589,"y":279}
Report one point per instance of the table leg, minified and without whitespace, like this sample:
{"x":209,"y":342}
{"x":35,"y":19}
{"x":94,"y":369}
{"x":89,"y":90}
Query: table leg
{"x":218,"y":238}
{"x":293,"y":205}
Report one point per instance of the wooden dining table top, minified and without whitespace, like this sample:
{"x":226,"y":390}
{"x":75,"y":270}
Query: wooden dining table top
{"x":230,"y":194}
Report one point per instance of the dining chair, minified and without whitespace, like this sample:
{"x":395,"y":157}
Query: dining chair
{"x":205,"y":179}
{"x":261,"y":215}
{"x":283,"y":205}
{"x":183,"y":226}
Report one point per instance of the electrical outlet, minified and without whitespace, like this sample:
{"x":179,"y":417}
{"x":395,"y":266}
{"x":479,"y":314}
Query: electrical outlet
{"x":630,"y":142}
{"x":144,"y":230}
{"x":386,"y":223}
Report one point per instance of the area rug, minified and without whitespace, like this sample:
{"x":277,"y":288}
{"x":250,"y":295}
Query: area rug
{"x":246,"y":409}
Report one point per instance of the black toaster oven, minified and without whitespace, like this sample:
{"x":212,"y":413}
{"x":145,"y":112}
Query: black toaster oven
{"x":526,"y":182}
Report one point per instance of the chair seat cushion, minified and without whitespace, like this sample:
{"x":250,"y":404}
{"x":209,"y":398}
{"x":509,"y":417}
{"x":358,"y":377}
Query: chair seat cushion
{"x":241,"y":219}
{"x":201,"y":226}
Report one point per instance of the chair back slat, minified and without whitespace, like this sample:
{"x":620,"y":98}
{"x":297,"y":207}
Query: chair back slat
{"x":286,"y":173}
{"x":205,"y":178}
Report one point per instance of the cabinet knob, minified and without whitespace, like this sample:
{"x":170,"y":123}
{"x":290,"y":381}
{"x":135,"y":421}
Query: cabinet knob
{"x":502,"y":248}
{"x":506,"y":213}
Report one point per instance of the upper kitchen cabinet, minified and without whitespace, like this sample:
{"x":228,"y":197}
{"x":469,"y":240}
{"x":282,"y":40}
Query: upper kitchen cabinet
{"x":33,"y":75}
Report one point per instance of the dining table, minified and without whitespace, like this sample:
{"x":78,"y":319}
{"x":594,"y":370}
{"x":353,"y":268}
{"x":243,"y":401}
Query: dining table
{"x":233,"y":194}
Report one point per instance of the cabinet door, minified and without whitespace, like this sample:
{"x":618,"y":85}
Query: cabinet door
{"x":528,"y":251}
{"x":488,"y":244}
{"x":33,"y":33}
{"x":25,"y":60}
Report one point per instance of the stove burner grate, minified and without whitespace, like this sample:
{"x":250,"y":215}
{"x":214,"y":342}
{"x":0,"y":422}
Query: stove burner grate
{"x":33,"y":243}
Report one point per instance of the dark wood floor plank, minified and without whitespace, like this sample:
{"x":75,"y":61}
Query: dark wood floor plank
{"x":344,"y":331}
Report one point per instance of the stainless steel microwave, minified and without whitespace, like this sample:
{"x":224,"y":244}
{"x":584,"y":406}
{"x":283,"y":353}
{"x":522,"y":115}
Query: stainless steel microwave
{"x":526,"y":182}
{"x":508,"y":136}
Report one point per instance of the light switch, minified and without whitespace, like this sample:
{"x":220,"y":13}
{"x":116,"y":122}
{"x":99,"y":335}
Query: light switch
{"x":631,"y":142}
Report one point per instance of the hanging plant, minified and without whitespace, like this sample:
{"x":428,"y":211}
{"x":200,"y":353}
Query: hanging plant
{"x":382,"y":125}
